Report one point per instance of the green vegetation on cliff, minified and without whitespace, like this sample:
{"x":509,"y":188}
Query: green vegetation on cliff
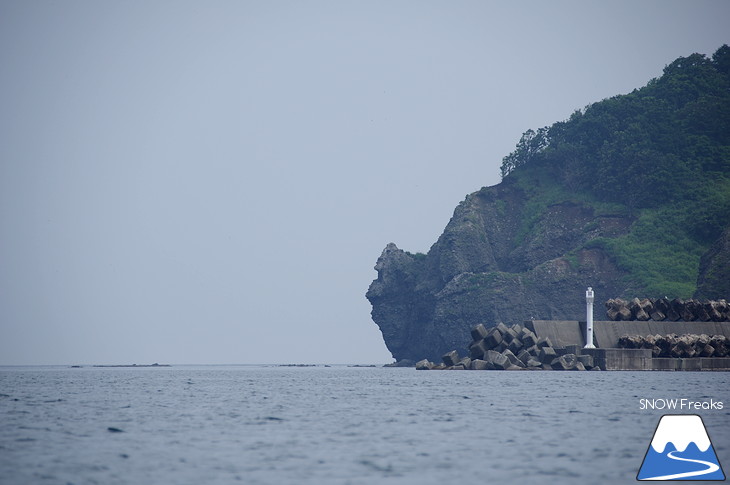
{"x":660,"y":155}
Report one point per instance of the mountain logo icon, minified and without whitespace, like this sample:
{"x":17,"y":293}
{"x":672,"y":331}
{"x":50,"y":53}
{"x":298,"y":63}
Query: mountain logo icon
{"x":680,"y":450}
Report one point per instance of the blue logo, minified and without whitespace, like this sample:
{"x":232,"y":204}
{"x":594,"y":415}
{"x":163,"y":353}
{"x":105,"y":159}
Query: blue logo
{"x":680,"y":450}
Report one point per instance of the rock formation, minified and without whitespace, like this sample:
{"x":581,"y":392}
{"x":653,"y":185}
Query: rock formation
{"x":495,"y":262}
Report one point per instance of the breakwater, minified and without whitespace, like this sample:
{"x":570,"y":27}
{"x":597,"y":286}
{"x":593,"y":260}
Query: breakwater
{"x":661,"y":309}
{"x":511,"y":348}
{"x":558,"y":345}
{"x":678,"y":346}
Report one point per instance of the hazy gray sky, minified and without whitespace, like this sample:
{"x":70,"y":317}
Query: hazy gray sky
{"x":212,"y":182}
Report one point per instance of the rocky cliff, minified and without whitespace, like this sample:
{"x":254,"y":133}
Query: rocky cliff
{"x":629,"y":196}
{"x":485,"y":268}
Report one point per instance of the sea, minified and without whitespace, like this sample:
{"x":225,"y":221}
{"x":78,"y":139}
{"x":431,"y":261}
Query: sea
{"x":340,"y":424}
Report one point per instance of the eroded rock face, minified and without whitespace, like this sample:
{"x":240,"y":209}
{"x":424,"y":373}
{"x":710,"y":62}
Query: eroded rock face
{"x":392,"y":295}
{"x":713,"y":281}
{"x":494,"y":262}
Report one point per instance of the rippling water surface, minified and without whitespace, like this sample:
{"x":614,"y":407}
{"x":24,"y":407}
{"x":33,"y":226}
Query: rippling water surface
{"x":338,"y":425}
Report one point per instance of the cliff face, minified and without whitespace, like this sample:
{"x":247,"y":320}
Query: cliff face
{"x":489,"y":267}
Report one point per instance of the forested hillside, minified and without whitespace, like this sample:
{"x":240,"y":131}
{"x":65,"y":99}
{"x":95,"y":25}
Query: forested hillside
{"x":660,"y":154}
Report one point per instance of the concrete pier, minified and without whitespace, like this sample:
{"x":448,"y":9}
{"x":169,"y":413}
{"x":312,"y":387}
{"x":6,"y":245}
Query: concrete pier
{"x":560,"y":332}
{"x":621,"y":359}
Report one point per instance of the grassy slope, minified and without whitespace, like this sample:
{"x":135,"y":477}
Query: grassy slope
{"x":661,"y":253}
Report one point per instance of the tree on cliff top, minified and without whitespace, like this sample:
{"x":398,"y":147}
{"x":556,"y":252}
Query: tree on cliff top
{"x":530,"y":145}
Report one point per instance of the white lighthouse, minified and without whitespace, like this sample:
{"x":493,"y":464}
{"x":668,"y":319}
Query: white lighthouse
{"x":589,"y":319}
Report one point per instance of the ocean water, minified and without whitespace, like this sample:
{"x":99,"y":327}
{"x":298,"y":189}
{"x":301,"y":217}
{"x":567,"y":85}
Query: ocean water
{"x":337,"y":425}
